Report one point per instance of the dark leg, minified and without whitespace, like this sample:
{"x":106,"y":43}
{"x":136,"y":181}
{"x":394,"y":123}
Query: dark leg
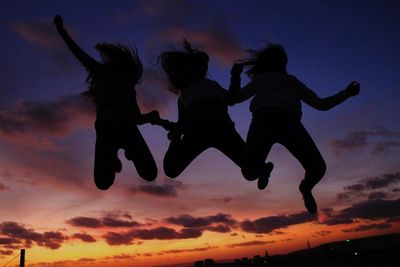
{"x":104,"y":162}
{"x":231,"y":144}
{"x":137,"y":150}
{"x":182,"y":152}
{"x":300,"y":144}
{"x":258,"y":145}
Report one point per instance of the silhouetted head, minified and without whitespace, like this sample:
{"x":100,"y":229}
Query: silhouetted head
{"x":123,"y":61}
{"x":273,"y":58}
{"x":184,"y":67}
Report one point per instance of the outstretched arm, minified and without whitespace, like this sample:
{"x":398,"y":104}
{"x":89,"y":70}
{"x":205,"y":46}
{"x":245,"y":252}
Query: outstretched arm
{"x":81,"y":55}
{"x":236,"y":94}
{"x":311,"y":98}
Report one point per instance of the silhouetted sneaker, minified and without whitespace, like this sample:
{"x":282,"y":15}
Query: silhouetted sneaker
{"x":309,"y":201}
{"x":264,"y":179}
{"x":117,"y":165}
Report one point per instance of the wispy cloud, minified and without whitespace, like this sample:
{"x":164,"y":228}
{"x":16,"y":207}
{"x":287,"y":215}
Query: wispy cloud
{"x":84,"y":237}
{"x":42,"y":34}
{"x":167,"y":188}
{"x":21,"y":236}
{"x":367,"y":227}
{"x":250,"y":243}
{"x":371,"y":209}
{"x":212,"y":33}
{"x":158,"y":233}
{"x":364,"y":187}
{"x":3,"y":187}
{"x":223,"y":200}
{"x":107,"y":221}
{"x":34,"y":124}
{"x":271,"y":223}
{"x":382,"y":140}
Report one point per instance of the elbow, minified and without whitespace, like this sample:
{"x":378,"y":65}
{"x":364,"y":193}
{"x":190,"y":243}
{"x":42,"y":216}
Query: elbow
{"x":140,"y":121}
{"x":322,"y":108}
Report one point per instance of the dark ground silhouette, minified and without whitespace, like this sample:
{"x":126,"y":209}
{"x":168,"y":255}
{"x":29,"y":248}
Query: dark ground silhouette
{"x":382,"y":251}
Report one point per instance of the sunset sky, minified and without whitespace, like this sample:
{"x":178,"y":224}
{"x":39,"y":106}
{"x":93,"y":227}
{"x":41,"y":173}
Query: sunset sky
{"x":50,"y":205}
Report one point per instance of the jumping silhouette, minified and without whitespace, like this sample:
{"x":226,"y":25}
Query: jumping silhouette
{"x":203,"y":120}
{"x":276,"y":109}
{"x":112,"y":88}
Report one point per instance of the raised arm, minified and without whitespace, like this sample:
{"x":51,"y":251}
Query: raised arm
{"x":87,"y":61}
{"x":236,"y":94}
{"x":311,"y":98}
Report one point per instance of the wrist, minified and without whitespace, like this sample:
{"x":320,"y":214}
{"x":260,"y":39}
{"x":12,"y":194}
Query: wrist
{"x":235,"y":76}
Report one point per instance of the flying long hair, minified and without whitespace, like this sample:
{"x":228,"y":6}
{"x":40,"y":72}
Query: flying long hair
{"x":184,"y":67}
{"x":273,"y":58}
{"x":122,"y":60}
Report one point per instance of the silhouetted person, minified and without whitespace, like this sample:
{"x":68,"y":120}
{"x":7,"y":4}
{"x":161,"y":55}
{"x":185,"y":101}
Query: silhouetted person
{"x":112,"y":88}
{"x":276,"y":109}
{"x":203,"y":120}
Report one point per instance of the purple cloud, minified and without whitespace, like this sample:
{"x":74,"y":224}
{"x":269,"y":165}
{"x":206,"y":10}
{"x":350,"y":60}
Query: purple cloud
{"x":84,"y":237}
{"x":268,"y":224}
{"x":372,"y":209}
{"x":213,"y":34}
{"x":360,"y":189}
{"x":359,"y":139}
{"x":34,"y":124}
{"x":18,"y":234}
{"x":86,"y":222}
{"x":3,"y":187}
{"x":250,"y":243}
{"x":366,"y":227}
{"x":159,"y":233}
{"x":109,"y":220}
{"x":223,"y":200}
{"x":168,"y":188}
{"x":190,"y":221}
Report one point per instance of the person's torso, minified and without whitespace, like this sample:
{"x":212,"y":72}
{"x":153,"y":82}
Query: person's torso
{"x":115,"y":99}
{"x":275,"y":91}
{"x":203,"y":102}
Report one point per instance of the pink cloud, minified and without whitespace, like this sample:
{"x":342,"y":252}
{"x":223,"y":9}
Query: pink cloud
{"x":250,"y":243}
{"x":3,"y":187}
{"x":360,"y":139}
{"x":25,"y":237}
{"x":216,"y":40}
{"x":35,"y":124}
{"x":40,"y":33}
{"x":43,"y":34}
{"x":84,"y":237}
{"x":212,"y":33}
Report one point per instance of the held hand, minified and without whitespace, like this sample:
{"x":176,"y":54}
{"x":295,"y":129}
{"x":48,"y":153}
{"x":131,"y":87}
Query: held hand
{"x":237,"y":69}
{"x":174,"y":135}
{"x":353,"y":89}
{"x":58,"y":21}
{"x":154,"y":117}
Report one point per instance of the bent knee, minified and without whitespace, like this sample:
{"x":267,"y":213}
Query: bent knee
{"x":248,"y":174}
{"x":171,"y":167}
{"x":317,"y":170}
{"x":149,"y":175}
{"x":171,"y":172}
{"x":102,"y":185}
